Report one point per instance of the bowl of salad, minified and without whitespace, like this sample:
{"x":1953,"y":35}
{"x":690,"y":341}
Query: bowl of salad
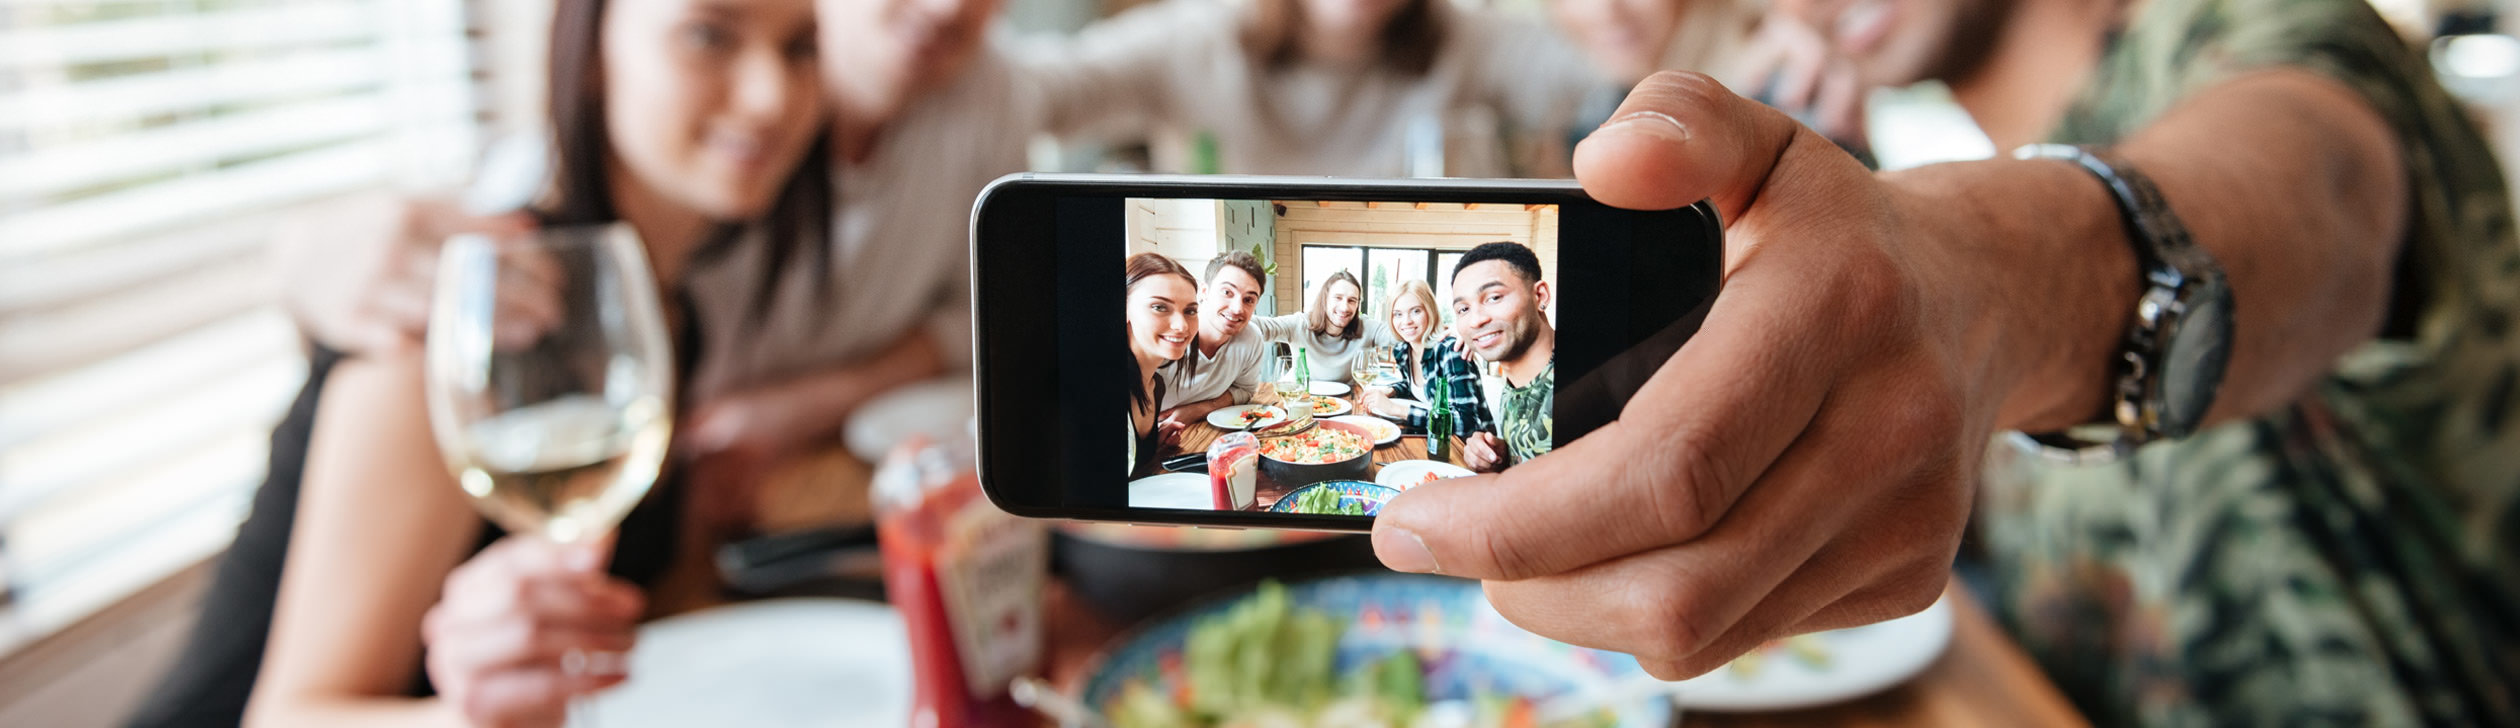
{"x":1330,"y":450}
{"x":1398,"y":650}
{"x":1336,"y":498}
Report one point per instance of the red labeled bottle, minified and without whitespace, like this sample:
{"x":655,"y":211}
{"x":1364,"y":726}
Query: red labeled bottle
{"x":967,"y":579}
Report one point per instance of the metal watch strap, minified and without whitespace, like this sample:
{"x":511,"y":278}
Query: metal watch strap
{"x":2163,"y":252}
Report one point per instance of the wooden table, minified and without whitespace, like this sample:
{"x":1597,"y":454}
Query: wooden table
{"x":1200,"y":434}
{"x":1983,"y":679}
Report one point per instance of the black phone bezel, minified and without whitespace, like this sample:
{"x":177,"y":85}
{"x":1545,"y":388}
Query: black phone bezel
{"x":1016,"y":264}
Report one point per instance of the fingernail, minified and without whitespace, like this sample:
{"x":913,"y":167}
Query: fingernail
{"x":1402,"y":550}
{"x":1649,"y":123}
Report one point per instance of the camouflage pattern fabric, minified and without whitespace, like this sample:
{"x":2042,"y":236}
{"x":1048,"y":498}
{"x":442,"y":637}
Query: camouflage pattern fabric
{"x":1529,"y":431}
{"x":2353,"y":559}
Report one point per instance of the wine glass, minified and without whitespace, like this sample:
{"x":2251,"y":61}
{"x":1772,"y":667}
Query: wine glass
{"x":550,"y":381}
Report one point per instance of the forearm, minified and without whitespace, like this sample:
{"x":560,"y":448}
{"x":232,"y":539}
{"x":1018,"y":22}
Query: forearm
{"x":828,"y":397}
{"x":367,"y":712}
{"x":2288,"y":180}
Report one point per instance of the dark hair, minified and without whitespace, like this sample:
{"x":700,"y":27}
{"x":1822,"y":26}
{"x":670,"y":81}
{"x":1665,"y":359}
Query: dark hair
{"x":1319,"y":316}
{"x":1514,"y":254}
{"x":1141,"y":267}
{"x":798,"y":223}
{"x":1409,"y":42}
{"x":1241,"y":261}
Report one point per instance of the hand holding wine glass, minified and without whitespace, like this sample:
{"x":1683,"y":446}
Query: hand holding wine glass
{"x":556,"y":425}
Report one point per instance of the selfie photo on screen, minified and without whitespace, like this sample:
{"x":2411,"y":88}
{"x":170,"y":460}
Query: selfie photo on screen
{"x":1319,"y":357}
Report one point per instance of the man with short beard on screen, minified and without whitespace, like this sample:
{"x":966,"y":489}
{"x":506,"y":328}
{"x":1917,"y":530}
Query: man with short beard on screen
{"x":1498,"y":300}
{"x":1230,"y":352}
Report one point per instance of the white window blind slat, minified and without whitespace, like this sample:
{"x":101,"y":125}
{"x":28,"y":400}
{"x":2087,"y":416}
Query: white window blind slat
{"x":247,"y":187}
{"x":99,"y":452}
{"x":105,"y":270}
{"x":188,"y":145}
{"x":36,"y":346}
{"x":206,"y":356}
{"x":303,"y":73}
{"x":280,"y":26}
{"x":72,"y":533}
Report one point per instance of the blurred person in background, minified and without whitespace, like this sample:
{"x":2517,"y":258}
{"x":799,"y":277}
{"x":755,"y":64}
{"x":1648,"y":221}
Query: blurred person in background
{"x":1340,"y":87}
{"x":2336,"y":542}
{"x":1628,"y":40}
{"x":697,"y":138}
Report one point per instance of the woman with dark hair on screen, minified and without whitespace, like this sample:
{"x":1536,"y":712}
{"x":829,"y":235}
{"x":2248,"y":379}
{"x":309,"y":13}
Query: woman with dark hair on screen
{"x":689,"y":121}
{"x":1163,"y":308}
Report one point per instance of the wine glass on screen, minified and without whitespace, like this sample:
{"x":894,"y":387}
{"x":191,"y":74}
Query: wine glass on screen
{"x":550,"y":381}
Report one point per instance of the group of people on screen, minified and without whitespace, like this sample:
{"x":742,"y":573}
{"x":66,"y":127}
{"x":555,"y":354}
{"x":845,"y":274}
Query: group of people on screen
{"x":1200,"y":347}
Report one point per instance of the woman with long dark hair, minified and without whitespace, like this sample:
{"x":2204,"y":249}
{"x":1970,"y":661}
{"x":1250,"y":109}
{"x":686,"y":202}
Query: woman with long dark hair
{"x":688,"y":120}
{"x":1163,"y":307}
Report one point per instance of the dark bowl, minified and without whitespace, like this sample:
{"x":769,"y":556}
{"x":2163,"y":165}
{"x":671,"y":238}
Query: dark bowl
{"x":1296,"y":475}
{"x":1124,"y":582}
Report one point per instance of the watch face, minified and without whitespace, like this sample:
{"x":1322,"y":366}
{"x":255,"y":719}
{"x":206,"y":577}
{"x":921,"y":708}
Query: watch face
{"x":2192,"y":369}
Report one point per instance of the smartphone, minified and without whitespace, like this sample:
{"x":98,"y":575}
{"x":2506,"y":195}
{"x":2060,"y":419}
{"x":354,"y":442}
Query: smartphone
{"x":1101,"y":299}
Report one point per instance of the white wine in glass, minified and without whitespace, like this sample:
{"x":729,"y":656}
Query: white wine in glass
{"x":550,"y":377}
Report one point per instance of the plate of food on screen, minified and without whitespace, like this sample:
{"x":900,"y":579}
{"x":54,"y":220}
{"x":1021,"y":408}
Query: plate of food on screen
{"x":1247,"y":417}
{"x":1328,"y":406}
{"x":1335,"y":498}
{"x":1407,"y":474}
{"x":1383,"y":432}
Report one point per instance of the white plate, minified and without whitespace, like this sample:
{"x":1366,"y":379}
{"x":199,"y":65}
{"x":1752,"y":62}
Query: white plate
{"x":938,"y":408}
{"x":1330,"y":389}
{"x":1406,"y":474}
{"x":1173,"y":490}
{"x":779,"y":662}
{"x":1230,"y":418}
{"x":1385,"y":433}
{"x":1861,"y":661}
{"x":1404,"y":407}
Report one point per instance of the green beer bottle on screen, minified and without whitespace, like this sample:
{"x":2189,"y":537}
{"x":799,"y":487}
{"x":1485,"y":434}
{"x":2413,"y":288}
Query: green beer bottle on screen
{"x":1439,"y":420}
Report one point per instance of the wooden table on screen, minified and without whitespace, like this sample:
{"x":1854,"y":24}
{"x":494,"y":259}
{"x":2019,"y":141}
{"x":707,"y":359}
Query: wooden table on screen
{"x":1409,"y":447}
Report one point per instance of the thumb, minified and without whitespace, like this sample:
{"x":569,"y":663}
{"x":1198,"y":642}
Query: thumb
{"x":1681,"y":137}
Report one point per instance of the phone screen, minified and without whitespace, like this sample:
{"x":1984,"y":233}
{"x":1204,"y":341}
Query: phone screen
{"x":1278,"y":358}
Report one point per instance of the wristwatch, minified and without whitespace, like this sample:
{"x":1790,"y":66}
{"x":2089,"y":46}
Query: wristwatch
{"x":2171,"y":361}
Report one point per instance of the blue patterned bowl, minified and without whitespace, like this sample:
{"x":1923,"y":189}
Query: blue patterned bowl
{"x":1371,"y":495}
{"x":1465,"y":647}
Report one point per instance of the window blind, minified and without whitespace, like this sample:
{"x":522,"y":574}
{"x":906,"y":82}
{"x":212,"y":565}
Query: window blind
{"x":148,"y":149}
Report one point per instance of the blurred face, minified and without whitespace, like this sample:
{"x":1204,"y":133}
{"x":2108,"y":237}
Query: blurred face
{"x":900,"y":47}
{"x":1901,"y":42}
{"x":1497,"y":313}
{"x":1163,"y":316}
{"x":1349,"y":18}
{"x":1342,"y":303}
{"x":1410,"y":319}
{"x":711,"y":103}
{"x":1624,"y":38}
{"x":1228,"y":301}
